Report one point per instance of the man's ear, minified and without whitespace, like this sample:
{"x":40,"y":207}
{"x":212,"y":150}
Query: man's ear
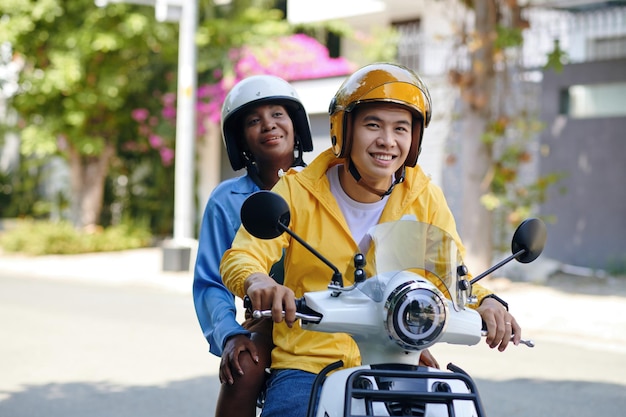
{"x":416,"y":143}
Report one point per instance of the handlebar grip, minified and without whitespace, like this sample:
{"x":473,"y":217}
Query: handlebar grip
{"x":302,"y":311}
{"x":257,"y":314}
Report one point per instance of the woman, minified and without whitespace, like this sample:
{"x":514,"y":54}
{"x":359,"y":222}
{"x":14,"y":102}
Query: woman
{"x":266,"y":130}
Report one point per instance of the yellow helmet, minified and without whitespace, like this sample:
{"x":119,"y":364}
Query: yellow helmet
{"x":384,"y":82}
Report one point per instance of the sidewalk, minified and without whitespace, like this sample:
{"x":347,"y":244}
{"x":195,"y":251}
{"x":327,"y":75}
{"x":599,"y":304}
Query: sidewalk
{"x":581,"y":311}
{"x":142,"y":267}
{"x":585,"y":312}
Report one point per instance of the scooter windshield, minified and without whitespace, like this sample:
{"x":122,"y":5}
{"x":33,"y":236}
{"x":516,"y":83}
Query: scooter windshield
{"x":426,"y":249}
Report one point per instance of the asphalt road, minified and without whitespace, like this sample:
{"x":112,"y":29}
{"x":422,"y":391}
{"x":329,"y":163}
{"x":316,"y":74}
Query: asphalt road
{"x":72,"y":349}
{"x":78,"y":348}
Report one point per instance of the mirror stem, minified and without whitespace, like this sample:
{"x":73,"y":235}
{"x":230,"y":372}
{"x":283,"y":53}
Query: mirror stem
{"x":498,"y":265}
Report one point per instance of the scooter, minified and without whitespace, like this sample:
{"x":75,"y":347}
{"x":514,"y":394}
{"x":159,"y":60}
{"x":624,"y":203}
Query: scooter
{"x":418,"y":296}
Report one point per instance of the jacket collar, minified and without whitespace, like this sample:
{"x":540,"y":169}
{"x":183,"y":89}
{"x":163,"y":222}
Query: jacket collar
{"x":244,"y":185}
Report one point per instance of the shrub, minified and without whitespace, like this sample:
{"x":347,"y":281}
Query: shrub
{"x":36,"y":237}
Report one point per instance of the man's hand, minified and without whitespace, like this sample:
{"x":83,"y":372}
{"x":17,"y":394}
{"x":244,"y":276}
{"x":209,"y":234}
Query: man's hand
{"x":500,"y":324}
{"x":265,"y":293}
{"x":235,"y":346}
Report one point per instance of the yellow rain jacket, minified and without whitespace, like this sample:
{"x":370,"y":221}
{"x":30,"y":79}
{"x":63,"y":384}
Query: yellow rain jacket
{"x":316,"y":218}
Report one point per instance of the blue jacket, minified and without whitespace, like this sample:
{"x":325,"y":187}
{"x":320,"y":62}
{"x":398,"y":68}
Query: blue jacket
{"x":214,"y":303}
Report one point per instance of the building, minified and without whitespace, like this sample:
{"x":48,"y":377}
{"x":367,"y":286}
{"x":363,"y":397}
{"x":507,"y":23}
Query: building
{"x":584,"y":109}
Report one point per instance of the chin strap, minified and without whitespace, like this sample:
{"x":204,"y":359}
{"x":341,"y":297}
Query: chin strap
{"x":399,"y":178}
{"x":298,"y":153}
{"x":253,"y":169}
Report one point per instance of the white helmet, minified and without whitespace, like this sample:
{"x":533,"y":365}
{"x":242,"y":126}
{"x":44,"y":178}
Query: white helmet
{"x":253,"y":91}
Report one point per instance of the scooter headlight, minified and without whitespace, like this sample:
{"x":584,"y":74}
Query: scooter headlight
{"x":416,"y":315}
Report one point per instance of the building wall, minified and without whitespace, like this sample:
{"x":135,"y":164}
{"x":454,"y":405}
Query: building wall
{"x":590,"y":226}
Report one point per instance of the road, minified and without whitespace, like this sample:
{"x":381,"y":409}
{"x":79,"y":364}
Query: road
{"x":78,"y":348}
{"x":71,"y":349}
{"x":553,"y":379}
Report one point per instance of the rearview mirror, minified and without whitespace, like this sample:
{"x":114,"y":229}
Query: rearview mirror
{"x":530,"y":239}
{"x":265,"y":214}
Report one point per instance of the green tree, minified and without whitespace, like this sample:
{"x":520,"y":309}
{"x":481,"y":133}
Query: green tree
{"x":96,"y":81}
{"x":84,"y":69}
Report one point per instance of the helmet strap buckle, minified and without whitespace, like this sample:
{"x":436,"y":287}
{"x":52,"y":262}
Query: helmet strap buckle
{"x":399,"y":178}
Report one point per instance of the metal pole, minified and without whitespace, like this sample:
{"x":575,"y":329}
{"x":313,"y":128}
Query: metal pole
{"x":185,"y":125}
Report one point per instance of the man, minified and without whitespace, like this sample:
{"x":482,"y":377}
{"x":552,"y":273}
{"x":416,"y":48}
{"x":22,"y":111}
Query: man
{"x":369,"y":176}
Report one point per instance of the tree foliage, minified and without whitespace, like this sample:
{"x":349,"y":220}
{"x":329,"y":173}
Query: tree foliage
{"x":83,"y":66}
{"x":97,"y":88}
{"x":83,"y":69}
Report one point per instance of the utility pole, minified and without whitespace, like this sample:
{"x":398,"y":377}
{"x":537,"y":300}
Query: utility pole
{"x":177,"y":252}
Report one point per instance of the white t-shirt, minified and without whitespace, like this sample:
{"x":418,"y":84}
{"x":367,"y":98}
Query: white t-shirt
{"x":359,"y":216}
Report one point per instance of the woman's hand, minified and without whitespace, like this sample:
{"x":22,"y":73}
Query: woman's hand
{"x":234,"y":347}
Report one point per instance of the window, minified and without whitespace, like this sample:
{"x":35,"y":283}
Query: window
{"x":594,"y":100}
{"x":410,"y":43}
{"x":607,"y":48}
{"x":333,"y":43}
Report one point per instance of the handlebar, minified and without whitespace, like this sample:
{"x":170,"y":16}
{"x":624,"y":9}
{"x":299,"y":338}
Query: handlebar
{"x":257,"y":314}
{"x":303,"y":312}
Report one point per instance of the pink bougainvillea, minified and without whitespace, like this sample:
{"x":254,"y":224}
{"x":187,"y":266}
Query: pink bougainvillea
{"x":155,"y":141}
{"x":140,"y":115}
{"x":295,"y":57}
{"x":167,"y":155}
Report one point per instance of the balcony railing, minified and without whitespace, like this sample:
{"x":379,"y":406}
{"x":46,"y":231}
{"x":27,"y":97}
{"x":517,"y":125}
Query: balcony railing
{"x":583,"y":36}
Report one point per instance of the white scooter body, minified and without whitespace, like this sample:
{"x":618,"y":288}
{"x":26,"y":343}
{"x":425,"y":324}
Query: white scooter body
{"x":355,"y":313}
